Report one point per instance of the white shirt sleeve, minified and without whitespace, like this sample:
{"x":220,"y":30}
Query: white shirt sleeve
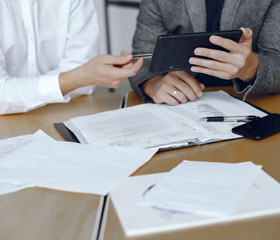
{"x":22,"y":94}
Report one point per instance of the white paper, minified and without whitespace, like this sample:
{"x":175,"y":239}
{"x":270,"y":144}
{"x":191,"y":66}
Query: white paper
{"x":212,"y":104}
{"x":13,"y":144}
{"x":70,"y":166}
{"x":141,"y":126}
{"x":204,"y":188}
{"x":160,"y":125}
{"x":261,"y":199}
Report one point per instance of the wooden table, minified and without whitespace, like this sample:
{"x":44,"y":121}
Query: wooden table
{"x":42,"y":214}
{"x":265,"y":152}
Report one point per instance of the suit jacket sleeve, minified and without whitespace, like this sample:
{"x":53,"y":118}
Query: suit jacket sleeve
{"x":150,"y":24}
{"x":267,"y":79}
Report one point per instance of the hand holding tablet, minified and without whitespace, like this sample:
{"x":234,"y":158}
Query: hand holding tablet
{"x":226,"y":55}
{"x":172,"y":52}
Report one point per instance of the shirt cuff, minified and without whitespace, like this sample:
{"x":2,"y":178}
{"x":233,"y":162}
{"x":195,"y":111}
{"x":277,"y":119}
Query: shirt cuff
{"x":50,"y":91}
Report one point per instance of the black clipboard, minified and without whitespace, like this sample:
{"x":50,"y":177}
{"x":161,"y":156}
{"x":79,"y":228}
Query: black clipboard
{"x":172,"y":52}
{"x":66,"y":133}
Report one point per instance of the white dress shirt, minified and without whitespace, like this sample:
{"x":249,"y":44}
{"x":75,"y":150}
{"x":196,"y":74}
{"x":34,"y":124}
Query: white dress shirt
{"x":39,"y":39}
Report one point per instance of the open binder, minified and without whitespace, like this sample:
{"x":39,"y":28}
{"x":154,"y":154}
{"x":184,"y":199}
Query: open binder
{"x":160,"y":126}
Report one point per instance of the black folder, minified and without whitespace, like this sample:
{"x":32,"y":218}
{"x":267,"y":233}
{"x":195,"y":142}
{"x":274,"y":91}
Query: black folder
{"x":66,"y":133}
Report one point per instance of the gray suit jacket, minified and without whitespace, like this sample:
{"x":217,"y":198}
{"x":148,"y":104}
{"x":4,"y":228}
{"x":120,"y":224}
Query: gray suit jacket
{"x":158,"y":17}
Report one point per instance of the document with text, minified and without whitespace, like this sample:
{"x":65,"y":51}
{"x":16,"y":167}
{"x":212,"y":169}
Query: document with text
{"x":161,"y":126}
{"x":39,"y":161}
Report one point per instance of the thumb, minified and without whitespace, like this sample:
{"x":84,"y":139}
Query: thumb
{"x":124,"y":53}
{"x":117,"y":60}
{"x":130,"y":64}
{"x":247,"y":36}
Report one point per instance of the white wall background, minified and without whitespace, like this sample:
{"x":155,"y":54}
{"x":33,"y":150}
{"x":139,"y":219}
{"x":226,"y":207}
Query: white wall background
{"x":122,"y":23}
{"x":100,"y":5}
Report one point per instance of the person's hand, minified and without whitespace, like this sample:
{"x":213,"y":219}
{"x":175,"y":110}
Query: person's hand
{"x":174,"y":88}
{"x":104,"y":70}
{"x":240,"y":62}
{"x":110,"y":71}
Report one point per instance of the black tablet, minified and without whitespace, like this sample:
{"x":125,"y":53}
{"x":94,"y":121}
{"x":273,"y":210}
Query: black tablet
{"x":172,"y":52}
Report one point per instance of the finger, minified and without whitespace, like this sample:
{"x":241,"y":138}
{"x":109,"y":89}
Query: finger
{"x":116,"y":60}
{"x":129,"y":65}
{"x":166,"y":98}
{"x":127,"y":72}
{"x":247,"y":36}
{"x":211,"y":72}
{"x":178,"y":95}
{"x":116,"y":83}
{"x":219,"y":55}
{"x":247,"y":33}
{"x":228,"y":44}
{"x":124,"y":53}
{"x":137,"y":66}
{"x":212,"y":64}
{"x":192,"y":82}
{"x":177,"y":82}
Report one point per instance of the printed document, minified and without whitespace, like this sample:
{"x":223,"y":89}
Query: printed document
{"x":203,"y":188}
{"x":11,"y":145}
{"x":39,"y":161}
{"x":160,"y":126}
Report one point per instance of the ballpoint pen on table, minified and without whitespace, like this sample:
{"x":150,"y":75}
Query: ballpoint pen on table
{"x":230,"y":118}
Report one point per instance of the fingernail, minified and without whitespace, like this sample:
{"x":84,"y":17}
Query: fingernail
{"x":197,"y":51}
{"x":193,"y":69}
{"x":213,"y":38}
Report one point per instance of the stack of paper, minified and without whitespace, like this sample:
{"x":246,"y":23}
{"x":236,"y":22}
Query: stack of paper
{"x":204,"y":188}
{"x":37,"y":160}
{"x":261,"y":199}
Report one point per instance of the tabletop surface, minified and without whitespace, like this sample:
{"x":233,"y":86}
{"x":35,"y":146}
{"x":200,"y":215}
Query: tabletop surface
{"x":44,"y":118}
{"x":46,"y":214}
{"x":36,"y":213}
{"x":265,"y":152}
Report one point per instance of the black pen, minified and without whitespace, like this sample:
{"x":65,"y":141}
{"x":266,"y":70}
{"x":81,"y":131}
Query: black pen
{"x":230,"y":118}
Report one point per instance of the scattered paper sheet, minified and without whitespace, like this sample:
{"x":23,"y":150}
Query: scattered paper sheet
{"x":160,"y":125}
{"x":67,"y":166}
{"x":11,"y":145}
{"x":204,"y":188}
{"x":261,"y":200}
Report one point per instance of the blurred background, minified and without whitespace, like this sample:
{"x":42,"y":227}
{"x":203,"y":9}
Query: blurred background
{"x":117,"y":21}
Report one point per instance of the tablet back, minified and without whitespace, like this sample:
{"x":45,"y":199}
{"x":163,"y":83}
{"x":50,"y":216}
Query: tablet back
{"x":172,"y":52}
